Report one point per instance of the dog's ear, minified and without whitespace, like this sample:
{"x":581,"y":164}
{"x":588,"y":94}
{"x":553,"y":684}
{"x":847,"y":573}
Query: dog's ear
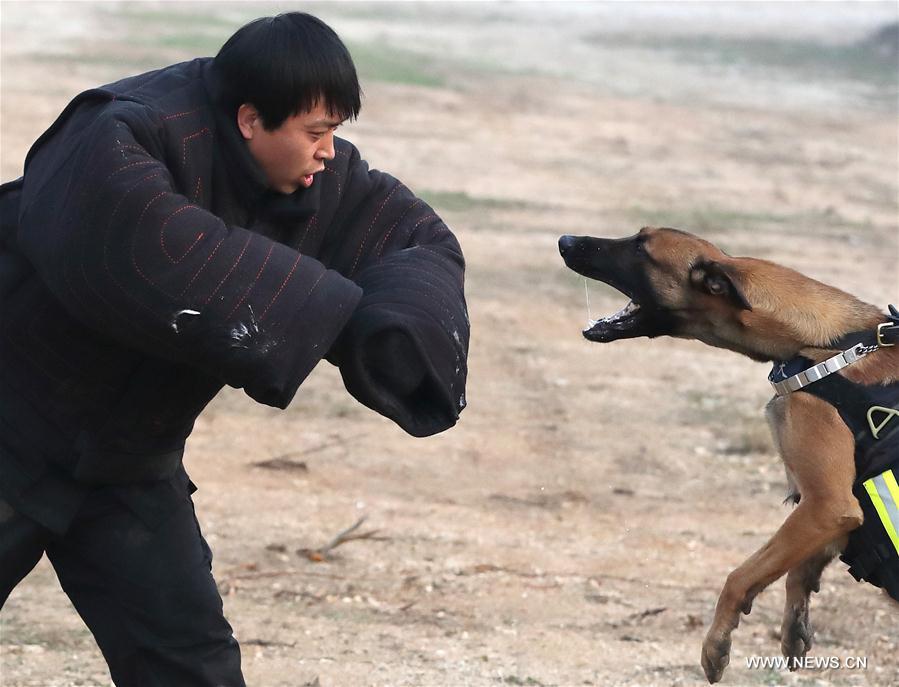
{"x":719,"y":280}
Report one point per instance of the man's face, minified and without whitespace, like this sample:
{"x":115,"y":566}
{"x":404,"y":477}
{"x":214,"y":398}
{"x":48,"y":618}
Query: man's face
{"x":291,"y":154}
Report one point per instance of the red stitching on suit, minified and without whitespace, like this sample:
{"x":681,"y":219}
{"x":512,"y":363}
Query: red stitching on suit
{"x":198,"y":191}
{"x":134,"y":236}
{"x":106,"y":235}
{"x":383,"y":242}
{"x":423,"y":219}
{"x":201,"y":132}
{"x":372,"y":224}
{"x":111,"y":309}
{"x":191,"y":247}
{"x":233,"y":267}
{"x":253,"y":283}
{"x":180,"y":114}
{"x":162,"y":235}
{"x":135,"y":148}
{"x":125,"y":195}
{"x":328,"y":169}
{"x":146,"y":207}
{"x":129,"y":319}
{"x":415,"y":226}
{"x":283,"y":284}
{"x":309,"y":225}
{"x":313,"y":288}
{"x":202,"y":267}
{"x":442,"y":229}
{"x":140,"y":271}
{"x":128,"y":166}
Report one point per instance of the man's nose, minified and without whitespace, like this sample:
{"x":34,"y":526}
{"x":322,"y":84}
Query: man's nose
{"x":326,"y":150}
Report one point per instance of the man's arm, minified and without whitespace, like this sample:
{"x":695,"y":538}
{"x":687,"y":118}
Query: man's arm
{"x":404,"y":352}
{"x":141,"y":264}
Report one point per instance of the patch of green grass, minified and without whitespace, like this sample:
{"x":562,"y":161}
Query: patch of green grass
{"x":110,"y":59}
{"x":515,"y":680}
{"x":459,"y":201}
{"x":194,"y":43}
{"x":749,"y":435}
{"x":801,"y":58}
{"x":172,"y":16}
{"x":393,"y":65}
{"x":197,"y":33}
{"x":741,"y":432}
{"x":140,"y":16}
{"x":162,"y":32}
{"x":702,"y":219}
{"x":711,"y":218}
{"x":200,"y":33}
{"x":771,"y":677}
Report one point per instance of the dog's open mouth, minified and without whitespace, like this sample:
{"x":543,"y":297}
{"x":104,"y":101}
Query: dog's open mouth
{"x":620,"y":325}
{"x":619,"y":263}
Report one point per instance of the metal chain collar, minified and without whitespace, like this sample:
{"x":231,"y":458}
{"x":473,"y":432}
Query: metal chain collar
{"x":821,"y":370}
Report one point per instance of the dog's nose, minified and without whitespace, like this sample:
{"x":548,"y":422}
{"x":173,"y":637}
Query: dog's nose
{"x":566,"y":243}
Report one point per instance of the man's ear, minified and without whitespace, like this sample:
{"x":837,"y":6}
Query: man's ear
{"x":247,"y":120}
{"x":719,"y":280}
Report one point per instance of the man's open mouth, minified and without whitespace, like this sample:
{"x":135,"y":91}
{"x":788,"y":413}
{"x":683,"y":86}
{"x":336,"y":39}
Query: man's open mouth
{"x":308,"y":179}
{"x":624,"y":323}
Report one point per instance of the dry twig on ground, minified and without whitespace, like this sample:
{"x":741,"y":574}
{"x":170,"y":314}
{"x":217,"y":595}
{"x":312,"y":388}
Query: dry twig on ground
{"x":349,"y":534}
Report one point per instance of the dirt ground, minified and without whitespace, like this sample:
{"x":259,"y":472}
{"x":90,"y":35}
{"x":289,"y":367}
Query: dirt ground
{"x":576,"y":526}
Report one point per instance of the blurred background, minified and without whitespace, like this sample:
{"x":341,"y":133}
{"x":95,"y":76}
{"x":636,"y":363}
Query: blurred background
{"x":576,"y":526}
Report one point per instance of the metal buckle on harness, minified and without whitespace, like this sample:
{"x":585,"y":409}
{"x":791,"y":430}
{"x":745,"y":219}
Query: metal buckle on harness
{"x":880,"y":341}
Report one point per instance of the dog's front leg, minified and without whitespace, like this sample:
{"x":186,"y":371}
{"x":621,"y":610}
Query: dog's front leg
{"x":818,"y":451}
{"x":805,"y":532}
{"x":796,"y":630}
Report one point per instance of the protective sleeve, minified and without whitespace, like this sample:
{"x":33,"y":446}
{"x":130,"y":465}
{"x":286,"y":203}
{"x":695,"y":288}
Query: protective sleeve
{"x":140,"y":263}
{"x":404,"y":352}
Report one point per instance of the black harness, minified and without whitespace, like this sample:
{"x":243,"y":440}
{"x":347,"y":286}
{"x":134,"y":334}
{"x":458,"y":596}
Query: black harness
{"x":871,"y":412}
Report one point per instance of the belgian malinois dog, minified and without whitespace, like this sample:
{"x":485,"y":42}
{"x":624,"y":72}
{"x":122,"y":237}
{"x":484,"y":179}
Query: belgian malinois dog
{"x":683,"y":286}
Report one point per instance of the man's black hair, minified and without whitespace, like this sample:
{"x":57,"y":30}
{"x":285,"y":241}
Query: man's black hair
{"x":285,"y":65}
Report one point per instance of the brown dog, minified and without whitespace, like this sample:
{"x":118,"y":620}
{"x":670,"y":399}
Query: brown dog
{"x":683,"y":286}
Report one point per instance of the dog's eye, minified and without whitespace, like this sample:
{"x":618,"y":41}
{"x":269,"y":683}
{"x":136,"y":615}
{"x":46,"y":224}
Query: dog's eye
{"x":640,"y":245}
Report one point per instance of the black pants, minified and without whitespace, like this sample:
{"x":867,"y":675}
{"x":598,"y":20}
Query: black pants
{"x":146,"y":593}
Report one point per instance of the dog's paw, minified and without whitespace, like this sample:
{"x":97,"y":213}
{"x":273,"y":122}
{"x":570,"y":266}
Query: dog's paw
{"x":715,"y":657}
{"x":796,"y":635}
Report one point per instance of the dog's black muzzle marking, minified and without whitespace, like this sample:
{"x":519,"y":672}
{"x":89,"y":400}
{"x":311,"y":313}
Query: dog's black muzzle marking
{"x":612,"y":261}
{"x":585,"y":255}
{"x":620,"y":263}
{"x":567,"y":244}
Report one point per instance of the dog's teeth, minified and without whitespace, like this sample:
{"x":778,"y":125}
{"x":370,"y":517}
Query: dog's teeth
{"x":624,"y":312}
{"x":620,"y":315}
